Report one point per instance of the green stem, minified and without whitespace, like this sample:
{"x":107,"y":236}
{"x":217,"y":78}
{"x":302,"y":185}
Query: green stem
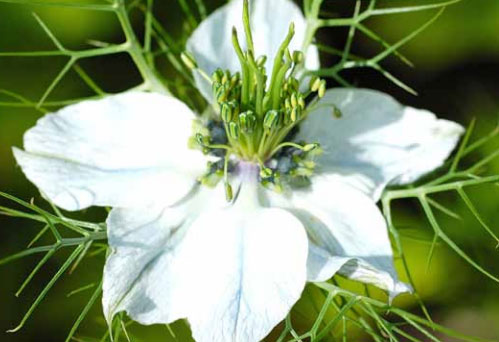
{"x":136,"y":52}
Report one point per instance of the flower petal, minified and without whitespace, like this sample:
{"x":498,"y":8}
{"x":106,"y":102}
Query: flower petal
{"x":347,"y":233}
{"x":143,"y":275}
{"x":252,"y":270}
{"x":123,"y":150}
{"x":211,"y":43}
{"x":377,"y":141}
{"x":220,"y":269}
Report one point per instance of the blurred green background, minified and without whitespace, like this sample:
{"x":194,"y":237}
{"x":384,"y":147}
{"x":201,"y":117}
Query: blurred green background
{"x":456,"y":74}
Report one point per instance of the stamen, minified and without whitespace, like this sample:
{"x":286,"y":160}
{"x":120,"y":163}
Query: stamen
{"x":258,"y":118}
{"x":190,"y":62}
{"x":306,"y":148}
{"x":205,"y":143}
{"x":229,"y":194}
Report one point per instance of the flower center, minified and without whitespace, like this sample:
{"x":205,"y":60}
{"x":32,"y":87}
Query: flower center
{"x":260,"y":110}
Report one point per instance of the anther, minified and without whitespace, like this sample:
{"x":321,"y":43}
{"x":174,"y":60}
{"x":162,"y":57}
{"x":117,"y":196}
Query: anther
{"x":271,"y":120}
{"x":217,"y":76}
{"x":322,"y":89}
{"x":294,"y":100}
{"x":265,"y":172}
{"x":229,"y":194}
{"x":189,"y":60}
{"x":226,"y":112}
{"x":337,"y":112}
{"x":310,"y":147}
{"x":298,"y":57}
{"x":295,"y":114}
{"x":234,"y":130}
{"x":247,"y":121}
{"x":315,"y":83}
{"x":301,"y":101}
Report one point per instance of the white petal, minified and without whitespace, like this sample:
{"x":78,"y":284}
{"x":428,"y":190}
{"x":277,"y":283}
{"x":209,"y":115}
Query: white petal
{"x":143,"y":275}
{"x":347,"y":233}
{"x":234,"y":272}
{"x":124,"y":150}
{"x":378,"y":142}
{"x":250,"y":270}
{"x":212,"y":47}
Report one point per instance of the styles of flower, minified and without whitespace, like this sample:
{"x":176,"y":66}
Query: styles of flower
{"x":289,"y":195}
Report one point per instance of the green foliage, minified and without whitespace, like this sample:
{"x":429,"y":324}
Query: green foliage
{"x":341,"y":309}
{"x":356,"y":23}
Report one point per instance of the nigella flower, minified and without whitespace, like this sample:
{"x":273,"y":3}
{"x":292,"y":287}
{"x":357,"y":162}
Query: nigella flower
{"x":231,"y":247}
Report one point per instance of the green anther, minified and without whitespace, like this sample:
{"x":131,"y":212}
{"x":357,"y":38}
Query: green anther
{"x":235,"y":108}
{"x":285,"y":88}
{"x":301,"y":101}
{"x":309,"y":164}
{"x":295,"y":114}
{"x":337,"y":112}
{"x":226,"y":112}
{"x":265,"y":172}
{"x":287,"y":117}
{"x":216,"y":86}
{"x":189,"y":60}
{"x":229,"y":194}
{"x":234,"y":130}
{"x":222,"y":93}
{"x":261,"y":61}
{"x":310,"y":147}
{"x":217,"y":76}
{"x":298,"y":57}
{"x":315,"y":83}
{"x":251,"y":118}
{"x":294,"y":100}
{"x":322,"y":89}
{"x":287,"y":104}
{"x":271,"y":120}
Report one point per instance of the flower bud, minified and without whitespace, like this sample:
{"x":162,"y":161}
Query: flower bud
{"x":294,"y":100}
{"x":295,"y":114}
{"x":310,"y":147}
{"x":265,"y":172}
{"x":216,"y":77}
{"x":229,"y":194}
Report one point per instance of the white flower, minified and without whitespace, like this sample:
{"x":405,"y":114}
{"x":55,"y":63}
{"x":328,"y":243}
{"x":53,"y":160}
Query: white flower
{"x":234,"y":270}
